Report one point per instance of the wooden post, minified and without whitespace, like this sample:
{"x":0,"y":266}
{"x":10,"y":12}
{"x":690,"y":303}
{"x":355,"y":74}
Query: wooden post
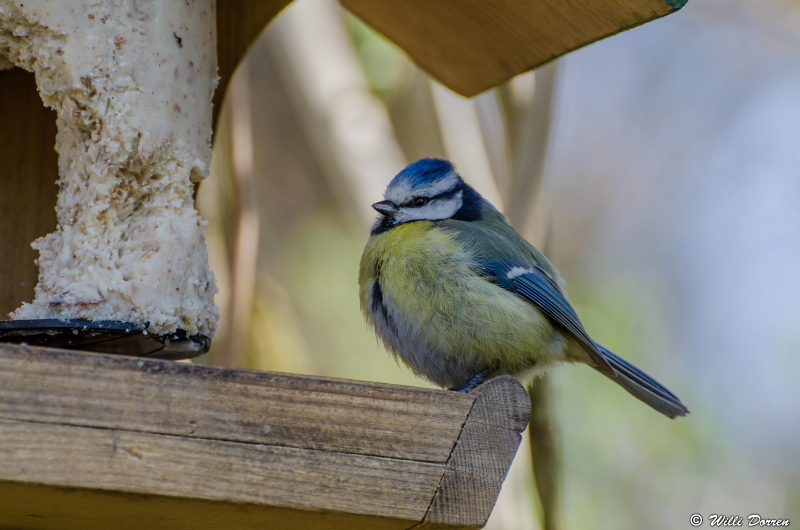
{"x":95,"y":441}
{"x":28,"y":173}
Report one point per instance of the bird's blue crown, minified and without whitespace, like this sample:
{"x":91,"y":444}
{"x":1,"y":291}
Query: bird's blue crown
{"x":442,"y":192}
{"x":423,"y":173}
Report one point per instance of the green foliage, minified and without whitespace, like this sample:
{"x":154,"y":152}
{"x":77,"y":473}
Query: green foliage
{"x":624,"y":466}
{"x":322,"y":265}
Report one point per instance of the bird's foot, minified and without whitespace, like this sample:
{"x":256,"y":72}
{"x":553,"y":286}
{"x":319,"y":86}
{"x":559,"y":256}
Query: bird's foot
{"x":477,"y":379}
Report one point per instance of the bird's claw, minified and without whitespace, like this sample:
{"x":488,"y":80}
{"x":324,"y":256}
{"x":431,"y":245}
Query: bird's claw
{"x":476,"y":380}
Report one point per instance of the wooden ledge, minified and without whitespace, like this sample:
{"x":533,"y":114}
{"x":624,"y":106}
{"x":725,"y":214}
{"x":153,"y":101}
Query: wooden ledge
{"x":96,"y":441}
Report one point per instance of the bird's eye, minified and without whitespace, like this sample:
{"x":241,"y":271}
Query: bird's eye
{"x":419,"y":201}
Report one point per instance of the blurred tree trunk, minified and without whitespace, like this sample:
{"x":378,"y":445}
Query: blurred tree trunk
{"x":545,"y":452}
{"x":532,"y":142}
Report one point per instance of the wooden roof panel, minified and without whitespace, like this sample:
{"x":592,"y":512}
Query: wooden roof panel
{"x":474,"y":45}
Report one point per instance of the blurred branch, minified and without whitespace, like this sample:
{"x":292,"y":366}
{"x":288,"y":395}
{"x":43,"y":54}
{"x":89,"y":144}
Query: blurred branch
{"x":543,"y":434}
{"x":244,"y":255}
{"x":516,"y":122}
{"x":495,"y":120}
{"x":528,"y":211}
{"x":348,"y":126}
{"x":528,"y":100}
{"x":413,"y":115}
{"x":464,"y":141}
{"x":545,"y":452}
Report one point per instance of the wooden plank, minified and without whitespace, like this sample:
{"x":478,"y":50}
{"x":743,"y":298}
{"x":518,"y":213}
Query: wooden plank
{"x":482,"y":456}
{"x":473,"y":45}
{"x":185,"y":399}
{"x":28,"y":174}
{"x":98,"y":441}
{"x":178,"y":466}
{"x":32,"y":506}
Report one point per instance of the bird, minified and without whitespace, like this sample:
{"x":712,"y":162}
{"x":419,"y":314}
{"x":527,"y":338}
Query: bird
{"x":457,"y":294}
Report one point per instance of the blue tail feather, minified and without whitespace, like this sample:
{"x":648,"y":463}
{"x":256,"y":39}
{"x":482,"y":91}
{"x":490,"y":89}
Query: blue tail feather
{"x":644,"y":387}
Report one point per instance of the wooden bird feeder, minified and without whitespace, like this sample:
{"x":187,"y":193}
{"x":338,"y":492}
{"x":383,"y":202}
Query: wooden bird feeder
{"x":96,"y":441}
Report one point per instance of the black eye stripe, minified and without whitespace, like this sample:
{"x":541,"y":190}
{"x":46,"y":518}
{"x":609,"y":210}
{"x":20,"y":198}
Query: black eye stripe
{"x":443,"y":195}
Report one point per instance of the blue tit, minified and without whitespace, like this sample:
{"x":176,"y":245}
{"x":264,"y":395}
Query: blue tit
{"x":457,"y":294}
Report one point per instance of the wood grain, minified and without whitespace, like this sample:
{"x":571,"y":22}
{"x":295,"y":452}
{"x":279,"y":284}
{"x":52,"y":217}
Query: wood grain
{"x":98,"y":441}
{"x":182,"y":399}
{"x":482,"y":456}
{"x":28,"y":174}
{"x":473,"y":45}
{"x":179,"y":466}
{"x":38,"y":507}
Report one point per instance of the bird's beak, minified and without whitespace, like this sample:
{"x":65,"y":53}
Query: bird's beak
{"x":387,"y":208}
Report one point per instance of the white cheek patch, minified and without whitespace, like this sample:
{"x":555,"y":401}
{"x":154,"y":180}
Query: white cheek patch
{"x":517,"y":271}
{"x":433,"y":211}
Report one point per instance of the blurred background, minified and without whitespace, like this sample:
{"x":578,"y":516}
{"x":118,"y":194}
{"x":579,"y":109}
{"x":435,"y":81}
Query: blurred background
{"x":658,"y":168}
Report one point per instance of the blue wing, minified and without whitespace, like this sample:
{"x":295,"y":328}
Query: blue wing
{"x":506,"y":259}
{"x":537,"y":286}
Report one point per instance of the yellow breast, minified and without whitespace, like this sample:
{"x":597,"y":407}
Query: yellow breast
{"x":428,"y":278}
